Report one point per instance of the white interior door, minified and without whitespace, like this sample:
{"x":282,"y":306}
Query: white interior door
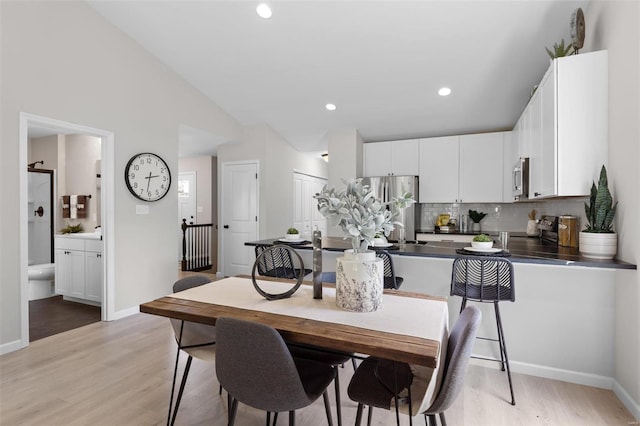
{"x":239,"y":216}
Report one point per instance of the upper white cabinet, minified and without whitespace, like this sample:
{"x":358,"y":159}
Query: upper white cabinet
{"x":439,"y":167}
{"x":398,"y":158}
{"x":462,"y":169}
{"x":568,"y":126}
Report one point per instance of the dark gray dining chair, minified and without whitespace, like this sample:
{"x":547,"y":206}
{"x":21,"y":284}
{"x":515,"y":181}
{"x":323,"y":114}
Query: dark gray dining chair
{"x":255,"y":366}
{"x":377,"y":382}
{"x":486,"y":279}
{"x":196,"y":340}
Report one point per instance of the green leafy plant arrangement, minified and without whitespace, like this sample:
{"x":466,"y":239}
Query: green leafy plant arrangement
{"x":482,"y":238}
{"x":601,"y":210}
{"x":292,"y":231}
{"x":72,"y":229}
{"x":559,"y":50}
{"x":476,"y":216}
{"x":359,"y":213}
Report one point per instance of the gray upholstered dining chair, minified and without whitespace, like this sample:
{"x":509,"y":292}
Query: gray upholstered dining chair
{"x":196,"y":340}
{"x":374,"y":381}
{"x":255,"y":366}
{"x":486,"y":279}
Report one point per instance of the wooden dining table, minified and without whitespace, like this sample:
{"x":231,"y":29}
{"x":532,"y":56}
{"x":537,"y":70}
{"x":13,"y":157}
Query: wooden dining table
{"x":410,"y":328}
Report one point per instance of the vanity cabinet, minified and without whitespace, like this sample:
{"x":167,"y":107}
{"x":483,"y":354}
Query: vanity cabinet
{"x":399,"y":158}
{"x":565,"y":126}
{"x":78,"y":268}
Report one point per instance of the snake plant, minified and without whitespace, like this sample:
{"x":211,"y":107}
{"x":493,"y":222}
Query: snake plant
{"x":601,"y":210}
{"x":559,"y":50}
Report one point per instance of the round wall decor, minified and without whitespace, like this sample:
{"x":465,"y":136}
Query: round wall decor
{"x":147,"y":176}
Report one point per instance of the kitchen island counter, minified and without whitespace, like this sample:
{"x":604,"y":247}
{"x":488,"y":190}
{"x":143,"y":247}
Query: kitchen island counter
{"x":522,"y":250}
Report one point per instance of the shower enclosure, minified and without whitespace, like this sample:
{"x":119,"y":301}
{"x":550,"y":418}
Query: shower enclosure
{"x":40,"y":211}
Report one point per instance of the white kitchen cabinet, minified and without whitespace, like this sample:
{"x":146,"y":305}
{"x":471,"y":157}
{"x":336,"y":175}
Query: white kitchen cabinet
{"x":462,"y":169}
{"x":439,"y":167}
{"x":399,"y":158}
{"x":78,"y":268}
{"x":568,"y":126}
{"x":481,"y":168}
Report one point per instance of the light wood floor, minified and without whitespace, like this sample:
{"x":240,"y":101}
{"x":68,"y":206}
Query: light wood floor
{"x":119,"y":373}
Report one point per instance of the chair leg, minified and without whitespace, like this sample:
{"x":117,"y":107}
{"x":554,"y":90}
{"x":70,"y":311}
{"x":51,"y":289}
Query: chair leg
{"x":353,"y":362}
{"x":370,"y":415}
{"x":496,"y":308}
{"x":503,"y":349}
{"x":275,"y":418}
{"x":181,"y":390}
{"x":327,"y":407}
{"x":359,"y":415}
{"x":173,"y":385}
{"x":443,"y":421}
{"x":292,"y":418}
{"x":336,"y":382}
{"x":220,"y":390}
{"x":268,"y":418}
{"x":233,"y":411}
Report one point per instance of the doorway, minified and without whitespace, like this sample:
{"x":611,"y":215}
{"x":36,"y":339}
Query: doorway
{"x":44,"y":125}
{"x":239,"y":216}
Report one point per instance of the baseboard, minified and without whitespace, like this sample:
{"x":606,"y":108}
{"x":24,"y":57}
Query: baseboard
{"x":219,"y":274}
{"x":5,"y":348}
{"x":627,"y":400}
{"x":125,"y":313}
{"x":569,"y":376}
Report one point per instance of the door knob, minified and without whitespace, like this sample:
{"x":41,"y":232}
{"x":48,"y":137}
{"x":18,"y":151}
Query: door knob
{"x":39,"y":212}
{"x":226,"y":226}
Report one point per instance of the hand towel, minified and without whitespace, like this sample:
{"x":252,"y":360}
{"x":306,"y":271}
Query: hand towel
{"x":74,"y":206}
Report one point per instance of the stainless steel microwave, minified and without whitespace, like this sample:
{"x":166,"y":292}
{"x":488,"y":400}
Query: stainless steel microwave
{"x":520,"y":185}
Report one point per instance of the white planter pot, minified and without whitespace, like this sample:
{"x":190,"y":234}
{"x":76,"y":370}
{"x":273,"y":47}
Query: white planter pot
{"x":359,"y":281}
{"x":598,"y":246}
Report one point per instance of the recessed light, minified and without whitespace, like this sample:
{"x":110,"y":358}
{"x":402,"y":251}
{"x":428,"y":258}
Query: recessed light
{"x":444,"y":91}
{"x":330,"y":107}
{"x":264,"y":11}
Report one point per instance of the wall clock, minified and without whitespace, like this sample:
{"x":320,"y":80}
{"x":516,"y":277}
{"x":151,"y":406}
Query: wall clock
{"x":147,"y":176}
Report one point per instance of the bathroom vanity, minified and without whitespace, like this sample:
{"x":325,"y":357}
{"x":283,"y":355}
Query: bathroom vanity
{"x":78,"y":266}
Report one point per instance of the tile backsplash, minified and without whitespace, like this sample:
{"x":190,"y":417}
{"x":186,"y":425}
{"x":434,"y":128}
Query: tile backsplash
{"x":510,"y":217}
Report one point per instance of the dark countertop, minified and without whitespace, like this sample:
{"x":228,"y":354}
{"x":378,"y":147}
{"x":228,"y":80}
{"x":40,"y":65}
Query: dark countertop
{"x":522,"y":249}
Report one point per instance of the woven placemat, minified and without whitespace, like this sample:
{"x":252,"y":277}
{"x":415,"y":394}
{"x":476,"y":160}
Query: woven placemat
{"x":479,"y":253}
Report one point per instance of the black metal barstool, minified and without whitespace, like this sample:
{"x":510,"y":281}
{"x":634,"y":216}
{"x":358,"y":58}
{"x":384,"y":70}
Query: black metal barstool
{"x":486,"y":279}
{"x":390,"y":278}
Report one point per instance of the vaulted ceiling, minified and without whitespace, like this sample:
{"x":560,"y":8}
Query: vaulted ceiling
{"x":380,"y":62}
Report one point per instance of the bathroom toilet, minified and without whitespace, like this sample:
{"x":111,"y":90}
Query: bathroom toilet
{"x":41,"y":279}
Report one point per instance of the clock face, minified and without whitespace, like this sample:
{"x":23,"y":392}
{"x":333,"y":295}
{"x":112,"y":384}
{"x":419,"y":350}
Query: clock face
{"x":147,"y":176}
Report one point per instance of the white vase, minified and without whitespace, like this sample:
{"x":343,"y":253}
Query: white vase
{"x":598,"y":245}
{"x":359,"y":281}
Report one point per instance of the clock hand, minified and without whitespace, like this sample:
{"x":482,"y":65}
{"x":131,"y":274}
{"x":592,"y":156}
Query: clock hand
{"x":148,"y":181}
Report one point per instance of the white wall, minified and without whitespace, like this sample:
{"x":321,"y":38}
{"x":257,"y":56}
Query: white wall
{"x":613,"y":25}
{"x":98,"y":77}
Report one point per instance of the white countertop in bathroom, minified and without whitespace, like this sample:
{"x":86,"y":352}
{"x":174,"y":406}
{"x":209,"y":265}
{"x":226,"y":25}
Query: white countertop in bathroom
{"x":82,"y":235}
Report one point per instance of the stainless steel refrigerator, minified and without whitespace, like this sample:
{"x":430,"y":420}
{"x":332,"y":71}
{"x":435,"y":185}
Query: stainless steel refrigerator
{"x":387,"y":187}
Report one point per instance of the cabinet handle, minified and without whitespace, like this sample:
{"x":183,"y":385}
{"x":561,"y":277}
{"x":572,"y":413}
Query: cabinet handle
{"x":536,"y":194}
{"x":98,"y":255}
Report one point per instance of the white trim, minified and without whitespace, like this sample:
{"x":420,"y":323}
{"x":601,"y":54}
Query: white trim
{"x":5,"y":348}
{"x":627,"y":400}
{"x":125,"y":313}
{"x":310,"y":175}
{"x":221,"y":218}
{"x":569,"y":376}
{"x":107,"y":213}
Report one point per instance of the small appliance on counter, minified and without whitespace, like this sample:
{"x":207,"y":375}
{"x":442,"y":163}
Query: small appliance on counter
{"x":568,"y":231}
{"x":548,"y":226}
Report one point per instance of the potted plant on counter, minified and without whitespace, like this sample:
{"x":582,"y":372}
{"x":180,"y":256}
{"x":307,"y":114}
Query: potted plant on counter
{"x":476,"y":217}
{"x":292,"y":234}
{"x":598,"y":240}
